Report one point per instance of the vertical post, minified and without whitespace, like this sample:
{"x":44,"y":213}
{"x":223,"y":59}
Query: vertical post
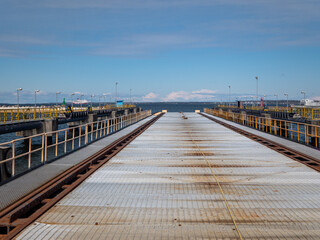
{"x":97,"y":129}
{"x":42,"y":149}
{"x":108,"y":127}
{"x":45,"y":147}
{"x":80,"y":136}
{"x":57,"y":139}
{"x":86,"y":135}
{"x":29,"y":155}
{"x":65,"y":141}
{"x":298,"y":128}
{"x":91,"y":131}
{"x":291,"y":131}
{"x":13,"y":157}
{"x":73,"y":135}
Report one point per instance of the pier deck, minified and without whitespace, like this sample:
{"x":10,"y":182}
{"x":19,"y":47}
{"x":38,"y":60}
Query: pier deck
{"x":189,"y":179}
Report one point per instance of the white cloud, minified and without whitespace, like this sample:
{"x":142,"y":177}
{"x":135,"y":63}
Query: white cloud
{"x":150,"y":97}
{"x":186,"y":96}
{"x":204,"y":91}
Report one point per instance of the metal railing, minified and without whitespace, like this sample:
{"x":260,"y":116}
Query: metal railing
{"x":311,"y":113}
{"x":24,"y":114}
{"x":29,"y":152}
{"x":307,"y":134}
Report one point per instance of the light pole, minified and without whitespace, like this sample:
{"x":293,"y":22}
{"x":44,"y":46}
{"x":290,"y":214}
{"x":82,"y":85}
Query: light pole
{"x":130,"y":96}
{"x":57,"y":93}
{"x":116,"y":92}
{"x":72,"y":101}
{"x":257,"y":78}
{"x":304,"y":95}
{"x":286,"y":94}
{"x":18,"y":90}
{"x":99,"y":101}
{"x":92,"y":95}
{"x":276,"y":95}
{"x":35,"y":97}
{"x":229,"y":95}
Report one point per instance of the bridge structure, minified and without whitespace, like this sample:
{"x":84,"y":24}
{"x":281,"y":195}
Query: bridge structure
{"x":29,"y":121}
{"x":171,"y":176}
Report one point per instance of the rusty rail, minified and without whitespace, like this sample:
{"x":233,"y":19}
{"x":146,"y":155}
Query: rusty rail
{"x":19,"y":215}
{"x":288,"y":152}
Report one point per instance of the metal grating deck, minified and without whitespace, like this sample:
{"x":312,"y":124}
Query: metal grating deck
{"x":160,"y":186}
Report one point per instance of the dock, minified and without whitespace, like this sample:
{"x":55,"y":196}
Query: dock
{"x":187,"y":177}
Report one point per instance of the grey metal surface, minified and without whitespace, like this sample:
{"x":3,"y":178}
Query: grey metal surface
{"x":161,"y":187}
{"x":17,"y":188}
{"x":315,"y":153}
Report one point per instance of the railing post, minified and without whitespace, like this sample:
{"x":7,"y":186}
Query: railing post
{"x":42,"y":148}
{"x":65,"y":141}
{"x":86,"y":135}
{"x":108,"y":127}
{"x":79,"y":136}
{"x":46,"y":147}
{"x":29,"y":155}
{"x":13,"y":157}
{"x":73,"y":135}
{"x":57,"y":140}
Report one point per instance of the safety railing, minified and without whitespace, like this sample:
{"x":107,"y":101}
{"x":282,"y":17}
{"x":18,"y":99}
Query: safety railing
{"x":311,"y":113}
{"x":300,"y":132}
{"x":29,"y":152}
{"x":23,"y":114}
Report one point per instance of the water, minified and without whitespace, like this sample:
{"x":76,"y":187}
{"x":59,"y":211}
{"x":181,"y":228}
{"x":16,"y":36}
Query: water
{"x":175,"y":106}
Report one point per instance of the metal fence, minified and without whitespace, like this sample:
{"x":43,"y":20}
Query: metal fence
{"x":29,"y":152}
{"x":311,"y":113}
{"x":300,"y":132}
{"x":24,"y":114}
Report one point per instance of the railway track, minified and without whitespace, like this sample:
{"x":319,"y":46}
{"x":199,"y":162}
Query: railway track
{"x":19,"y":215}
{"x":288,"y":152}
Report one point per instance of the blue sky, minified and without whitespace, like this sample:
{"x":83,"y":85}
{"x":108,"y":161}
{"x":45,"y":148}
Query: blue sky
{"x":168,"y":50}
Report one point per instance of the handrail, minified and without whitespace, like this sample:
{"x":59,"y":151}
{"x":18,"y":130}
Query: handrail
{"x":23,"y":114}
{"x":305,"y":133}
{"x":312,"y":113}
{"x":63,"y":142}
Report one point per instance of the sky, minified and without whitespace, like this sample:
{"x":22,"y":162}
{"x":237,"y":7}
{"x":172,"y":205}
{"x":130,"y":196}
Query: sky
{"x":163,"y":50}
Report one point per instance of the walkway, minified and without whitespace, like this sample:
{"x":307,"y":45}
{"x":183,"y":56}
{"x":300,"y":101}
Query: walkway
{"x":189,"y":179}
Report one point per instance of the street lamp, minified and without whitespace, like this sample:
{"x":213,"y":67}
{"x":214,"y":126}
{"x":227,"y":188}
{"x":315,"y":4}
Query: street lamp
{"x":92,"y":95}
{"x":72,"y":100}
{"x":229,"y":95}
{"x":99,"y":101}
{"x":130,"y":96}
{"x":257,"y":78}
{"x":116,"y":92}
{"x":286,"y":94}
{"x":276,"y":95}
{"x":35,"y":97}
{"x":18,"y":90}
{"x":57,"y":93}
{"x":304,"y":95}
